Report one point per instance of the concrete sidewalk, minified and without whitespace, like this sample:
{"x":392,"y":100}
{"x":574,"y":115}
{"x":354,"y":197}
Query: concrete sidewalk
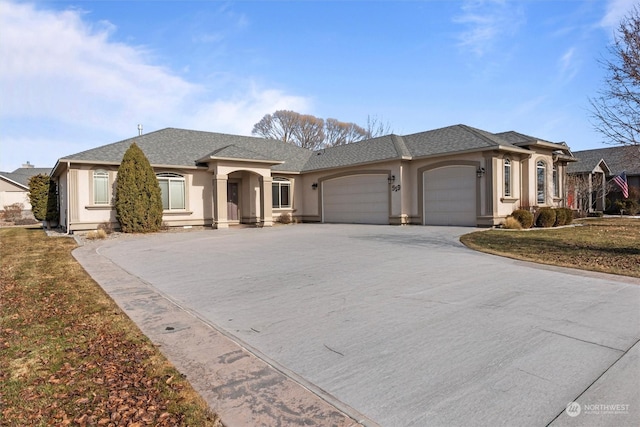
{"x":398,"y":326}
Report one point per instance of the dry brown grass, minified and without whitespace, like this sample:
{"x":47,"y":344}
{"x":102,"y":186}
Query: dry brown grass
{"x":70,"y":356}
{"x":608,"y":245}
{"x":511,"y":223}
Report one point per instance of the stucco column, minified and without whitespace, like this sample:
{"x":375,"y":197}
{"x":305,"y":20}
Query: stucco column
{"x":266,"y":202}
{"x":220,"y":201}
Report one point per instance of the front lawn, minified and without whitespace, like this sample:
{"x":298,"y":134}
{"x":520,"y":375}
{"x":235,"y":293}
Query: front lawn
{"x":70,"y":356}
{"x":608,"y":245}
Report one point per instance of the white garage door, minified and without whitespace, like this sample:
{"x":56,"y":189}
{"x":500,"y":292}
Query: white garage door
{"x":356,"y":199}
{"x":450,"y":196}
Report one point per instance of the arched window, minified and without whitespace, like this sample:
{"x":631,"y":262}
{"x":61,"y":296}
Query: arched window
{"x":100,"y":187}
{"x":541,"y":182}
{"x":507,"y":177}
{"x":556,"y":181}
{"x":281,"y":193}
{"x":173,"y":191}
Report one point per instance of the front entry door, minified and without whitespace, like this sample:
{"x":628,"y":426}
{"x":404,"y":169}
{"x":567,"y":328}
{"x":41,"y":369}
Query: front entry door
{"x":232,"y":201}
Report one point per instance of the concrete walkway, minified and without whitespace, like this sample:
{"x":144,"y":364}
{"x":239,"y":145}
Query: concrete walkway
{"x":397,"y":326}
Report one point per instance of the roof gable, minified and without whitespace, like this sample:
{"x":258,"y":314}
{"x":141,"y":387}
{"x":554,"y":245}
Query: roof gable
{"x":618,"y":159}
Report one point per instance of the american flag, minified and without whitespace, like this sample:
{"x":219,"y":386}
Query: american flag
{"x":621,"y":181}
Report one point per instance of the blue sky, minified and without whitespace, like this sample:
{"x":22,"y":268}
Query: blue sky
{"x":76,"y":75}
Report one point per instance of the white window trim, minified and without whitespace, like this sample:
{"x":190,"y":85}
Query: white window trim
{"x":508,"y":181}
{"x":174,"y":177}
{"x":92,"y":189}
{"x":541,"y":164}
{"x":280,"y":182}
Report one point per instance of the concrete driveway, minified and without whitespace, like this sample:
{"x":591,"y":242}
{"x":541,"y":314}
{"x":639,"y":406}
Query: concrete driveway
{"x":400,"y":326}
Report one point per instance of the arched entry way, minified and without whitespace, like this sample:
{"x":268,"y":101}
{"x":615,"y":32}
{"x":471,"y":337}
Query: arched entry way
{"x":242,"y":192}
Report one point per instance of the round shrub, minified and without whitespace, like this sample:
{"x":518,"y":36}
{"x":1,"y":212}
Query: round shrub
{"x":568,"y":216}
{"x":561,"y":217}
{"x":524,"y":217}
{"x":546,"y":217}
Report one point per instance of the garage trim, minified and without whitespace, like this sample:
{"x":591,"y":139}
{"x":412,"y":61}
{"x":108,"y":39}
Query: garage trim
{"x":420,"y":180}
{"x":349,"y":174}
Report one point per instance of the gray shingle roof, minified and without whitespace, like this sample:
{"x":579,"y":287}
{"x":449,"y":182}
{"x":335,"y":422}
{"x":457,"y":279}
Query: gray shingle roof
{"x":180,"y":147}
{"x":451,"y":139}
{"x":22,"y":175}
{"x":372,"y":150}
{"x":618,"y":159}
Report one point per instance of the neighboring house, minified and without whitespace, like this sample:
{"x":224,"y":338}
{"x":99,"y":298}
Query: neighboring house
{"x":595,"y":168}
{"x":14,"y":186}
{"x":456,"y":175}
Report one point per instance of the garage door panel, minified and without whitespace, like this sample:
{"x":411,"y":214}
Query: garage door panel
{"x":361,"y":199}
{"x":450,"y":196}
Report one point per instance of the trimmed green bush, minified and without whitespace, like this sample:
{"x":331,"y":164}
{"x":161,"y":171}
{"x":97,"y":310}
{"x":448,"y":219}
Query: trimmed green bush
{"x":568,"y":216}
{"x":546,"y":217}
{"x":43,"y":198}
{"x":524,"y":217}
{"x":561,"y":217}
{"x":138,"y":194}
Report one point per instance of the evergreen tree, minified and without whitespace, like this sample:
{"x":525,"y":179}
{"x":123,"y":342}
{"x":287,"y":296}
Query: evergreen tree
{"x":43,"y":199}
{"x":138,"y":196}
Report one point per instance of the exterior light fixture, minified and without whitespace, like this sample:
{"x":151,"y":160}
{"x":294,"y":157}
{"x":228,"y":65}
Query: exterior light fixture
{"x":391,"y":179}
{"x":314,"y":186}
{"x":480,"y":172}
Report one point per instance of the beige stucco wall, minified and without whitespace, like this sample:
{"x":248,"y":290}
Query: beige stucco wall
{"x":203,"y":186}
{"x":11,"y":193}
{"x":307,"y":201}
{"x":84,"y":215}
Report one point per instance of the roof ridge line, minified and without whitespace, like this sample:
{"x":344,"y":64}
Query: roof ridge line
{"x":478,"y":133}
{"x":400,"y":146}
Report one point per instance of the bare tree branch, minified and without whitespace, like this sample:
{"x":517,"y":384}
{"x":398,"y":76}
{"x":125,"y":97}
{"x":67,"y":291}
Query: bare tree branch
{"x":615,"y":112}
{"x":312,"y":132}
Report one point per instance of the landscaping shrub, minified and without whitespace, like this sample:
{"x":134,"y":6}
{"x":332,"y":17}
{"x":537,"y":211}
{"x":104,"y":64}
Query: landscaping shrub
{"x":106,"y":226}
{"x":546,"y":217}
{"x":97,"y":234}
{"x":13,"y":213}
{"x":511,"y":223}
{"x":568,"y":216}
{"x":138,"y":195}
{"x":524,"y":217}
{"x":42,"y":195}
{"x":561,"y":217}
{"x":284,"y":218}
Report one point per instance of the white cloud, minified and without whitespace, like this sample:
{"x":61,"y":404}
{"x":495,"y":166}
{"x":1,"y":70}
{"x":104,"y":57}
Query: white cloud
{"x":57,"y":67}
{"x":486,"y":22}
{"x":568,"y":65}
{"x":616,"y":10}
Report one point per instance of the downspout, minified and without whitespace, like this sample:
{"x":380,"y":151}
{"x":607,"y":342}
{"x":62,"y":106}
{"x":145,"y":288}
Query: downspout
{"x":68,"y":207}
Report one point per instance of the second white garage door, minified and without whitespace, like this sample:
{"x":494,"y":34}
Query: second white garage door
{"x":356,"y":199}
{"x":450,"y":196}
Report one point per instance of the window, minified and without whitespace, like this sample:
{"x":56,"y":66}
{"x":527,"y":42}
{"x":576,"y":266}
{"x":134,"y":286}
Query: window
{"x":281,"y":189}
{"x":541,"y":181}
{"x":173,"y":191}
{"x":556,"y":182}
{"x":507,"y":177}
{"x":100,"y":187}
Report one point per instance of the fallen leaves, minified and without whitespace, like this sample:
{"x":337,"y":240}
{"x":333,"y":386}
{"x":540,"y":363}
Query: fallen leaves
{"x":71,"y":358}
